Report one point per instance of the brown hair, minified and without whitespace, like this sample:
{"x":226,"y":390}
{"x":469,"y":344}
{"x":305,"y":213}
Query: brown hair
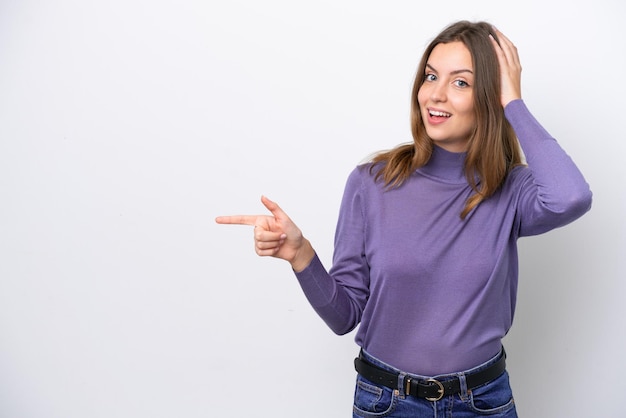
{"x":492,"y":149}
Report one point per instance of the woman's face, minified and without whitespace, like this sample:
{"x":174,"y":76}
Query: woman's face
{"x":446,"y":97}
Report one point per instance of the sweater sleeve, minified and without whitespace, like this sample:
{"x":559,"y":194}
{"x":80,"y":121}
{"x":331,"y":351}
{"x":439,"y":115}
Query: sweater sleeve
{"x":553,"y":190}
{"x":339,"y":295}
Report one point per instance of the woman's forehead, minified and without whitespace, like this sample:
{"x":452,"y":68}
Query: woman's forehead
{"x":450,"y":57}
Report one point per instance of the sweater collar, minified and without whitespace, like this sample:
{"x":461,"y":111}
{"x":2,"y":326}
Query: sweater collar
{"x":445,"y":165}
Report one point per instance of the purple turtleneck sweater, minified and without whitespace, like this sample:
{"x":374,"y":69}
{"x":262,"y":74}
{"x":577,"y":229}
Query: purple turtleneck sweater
{"x":433,"y":293}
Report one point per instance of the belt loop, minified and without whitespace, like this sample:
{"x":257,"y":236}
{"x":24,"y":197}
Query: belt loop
{"x":464,"y":392}
{"x":402,"y":385}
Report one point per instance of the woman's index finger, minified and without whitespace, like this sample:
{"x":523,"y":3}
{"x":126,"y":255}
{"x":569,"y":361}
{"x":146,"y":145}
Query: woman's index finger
{"x":237,"y":220}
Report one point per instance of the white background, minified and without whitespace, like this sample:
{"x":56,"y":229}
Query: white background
{"x":127,"y":126}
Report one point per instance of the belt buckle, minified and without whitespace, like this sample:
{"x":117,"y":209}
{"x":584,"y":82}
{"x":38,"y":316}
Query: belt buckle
{"x":440,"y":391}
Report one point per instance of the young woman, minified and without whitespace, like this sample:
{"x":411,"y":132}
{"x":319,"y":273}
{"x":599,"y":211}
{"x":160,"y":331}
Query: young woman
{"x":425,"y":250}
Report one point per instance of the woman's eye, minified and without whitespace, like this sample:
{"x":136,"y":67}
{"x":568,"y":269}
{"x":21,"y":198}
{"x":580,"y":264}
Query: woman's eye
{"x":461,"y":83}
{"x":430,"y":77}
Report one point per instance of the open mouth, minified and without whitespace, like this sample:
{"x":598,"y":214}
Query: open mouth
{"x":438,"y":114}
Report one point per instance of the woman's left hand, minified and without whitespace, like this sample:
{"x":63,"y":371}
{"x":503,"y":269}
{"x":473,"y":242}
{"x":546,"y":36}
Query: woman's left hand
{"x":510,"y":68}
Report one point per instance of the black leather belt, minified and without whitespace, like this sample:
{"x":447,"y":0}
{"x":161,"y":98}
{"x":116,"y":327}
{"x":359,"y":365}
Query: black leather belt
{"x":429,"y":389}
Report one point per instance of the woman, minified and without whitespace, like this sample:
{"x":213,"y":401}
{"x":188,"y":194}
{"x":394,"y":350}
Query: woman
{"x":425,"y":250}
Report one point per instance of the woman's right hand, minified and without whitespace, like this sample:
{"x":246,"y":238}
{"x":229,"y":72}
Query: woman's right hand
{"x":275,"y":235}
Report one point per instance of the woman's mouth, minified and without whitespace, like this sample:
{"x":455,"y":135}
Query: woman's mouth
{"x":438,"y":114}
{"x":436,"y":117}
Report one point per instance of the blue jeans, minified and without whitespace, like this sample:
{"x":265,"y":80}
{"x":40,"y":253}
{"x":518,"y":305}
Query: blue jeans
{"x":493,"y":399}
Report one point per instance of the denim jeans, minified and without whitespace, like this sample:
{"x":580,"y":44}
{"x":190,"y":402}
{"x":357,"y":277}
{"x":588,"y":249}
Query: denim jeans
{"x":493,"y":399}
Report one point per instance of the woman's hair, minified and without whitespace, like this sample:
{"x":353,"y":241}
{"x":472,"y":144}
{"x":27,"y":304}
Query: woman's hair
{"x":492,"y":149}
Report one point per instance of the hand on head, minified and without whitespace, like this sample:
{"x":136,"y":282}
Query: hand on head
{"x":275,"y":235}
{"x":510,"y":68}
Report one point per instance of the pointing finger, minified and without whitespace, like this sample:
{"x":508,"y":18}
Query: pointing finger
{"x":237,"y":219}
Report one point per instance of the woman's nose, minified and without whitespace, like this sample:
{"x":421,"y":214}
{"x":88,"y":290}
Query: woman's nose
{"x":438,"y":92}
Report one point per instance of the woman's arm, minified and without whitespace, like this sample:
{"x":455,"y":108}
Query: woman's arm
{"x":555,"y":193}
{"x":339,"y":298}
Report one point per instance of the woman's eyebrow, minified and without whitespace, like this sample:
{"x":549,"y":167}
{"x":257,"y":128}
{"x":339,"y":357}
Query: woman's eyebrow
{"x":455,"y":72}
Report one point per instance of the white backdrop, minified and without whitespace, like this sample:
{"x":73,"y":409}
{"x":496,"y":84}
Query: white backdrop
{"x":127,"y":126}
